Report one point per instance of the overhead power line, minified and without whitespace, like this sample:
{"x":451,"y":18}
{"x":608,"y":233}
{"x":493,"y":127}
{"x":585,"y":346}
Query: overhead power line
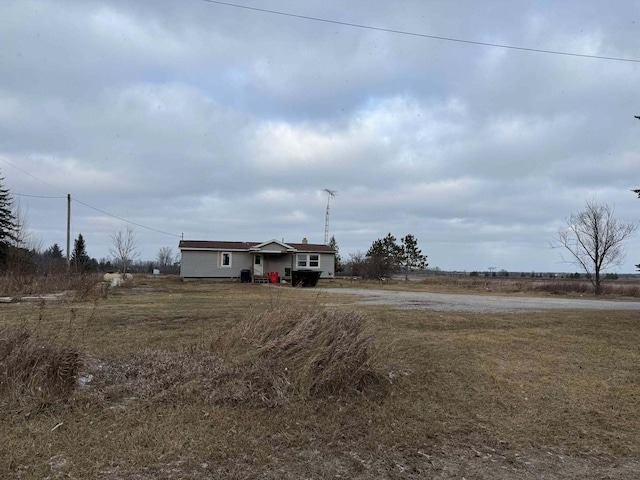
{"x":123,"y":219}
{"x":31,"y":175}
{"x":34,"y":196}
{"x":81,"y":202}
{"x":422,"y":35}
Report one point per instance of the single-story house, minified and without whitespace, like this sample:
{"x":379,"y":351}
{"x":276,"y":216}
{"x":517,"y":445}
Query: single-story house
{"x":224,"y":260}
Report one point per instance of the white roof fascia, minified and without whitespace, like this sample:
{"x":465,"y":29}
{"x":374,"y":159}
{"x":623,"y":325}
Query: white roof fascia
{"x":282,"y":244}
{"x":214,"y":249}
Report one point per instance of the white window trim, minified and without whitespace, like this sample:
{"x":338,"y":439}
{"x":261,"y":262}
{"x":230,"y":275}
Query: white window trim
{"x":222,"y":265}
{"x":307,"y":260}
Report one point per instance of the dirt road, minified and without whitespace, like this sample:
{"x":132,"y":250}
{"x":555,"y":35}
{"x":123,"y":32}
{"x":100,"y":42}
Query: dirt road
{"x":478,"y":303}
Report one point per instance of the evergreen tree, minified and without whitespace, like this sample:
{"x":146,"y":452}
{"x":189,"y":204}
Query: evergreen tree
{"x":382,"y":256}
{"x":338,"y":260}
{"x":79,"y":258}
{"x":54,"y":252}
{"x":385,"y":254}
{"x":8,"y":224}
{"x":411,"y":256}
{"x":53,"y":259}
{"x":105,"y":265}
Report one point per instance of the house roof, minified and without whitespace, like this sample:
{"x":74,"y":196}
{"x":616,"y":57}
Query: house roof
{"x":215,"y":245}
{"x":246,"y":246}
{"x":311,"y":247}
{"x":271,"y":242}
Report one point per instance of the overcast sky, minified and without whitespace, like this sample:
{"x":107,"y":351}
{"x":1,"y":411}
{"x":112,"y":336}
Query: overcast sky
{"x":225,"y":123}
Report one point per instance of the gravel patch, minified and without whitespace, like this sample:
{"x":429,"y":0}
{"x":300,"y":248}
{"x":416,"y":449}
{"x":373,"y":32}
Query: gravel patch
{"x":443,"y":302}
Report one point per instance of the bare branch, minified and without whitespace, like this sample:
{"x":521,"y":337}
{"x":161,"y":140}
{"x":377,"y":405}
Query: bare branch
{"x":165,"y":256}
{"x":124,"y":248}
{"x":594,"y":238}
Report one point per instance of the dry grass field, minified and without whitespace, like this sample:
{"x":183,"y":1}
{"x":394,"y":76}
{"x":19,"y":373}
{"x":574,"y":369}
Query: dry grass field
{"x":221,"y":380}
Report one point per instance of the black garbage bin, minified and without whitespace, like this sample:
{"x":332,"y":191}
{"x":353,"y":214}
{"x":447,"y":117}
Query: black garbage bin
{"x":245,"y":276}
{"x":305,"y":278}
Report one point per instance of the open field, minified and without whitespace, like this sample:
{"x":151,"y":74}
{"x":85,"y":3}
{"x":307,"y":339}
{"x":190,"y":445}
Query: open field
{"x":540,"y":394}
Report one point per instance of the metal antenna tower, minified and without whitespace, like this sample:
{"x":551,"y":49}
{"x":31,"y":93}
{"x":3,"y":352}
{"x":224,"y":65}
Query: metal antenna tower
{"x":331,"y":193}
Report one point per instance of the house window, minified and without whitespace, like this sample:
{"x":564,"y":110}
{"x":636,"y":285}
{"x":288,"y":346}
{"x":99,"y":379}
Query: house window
{"x":305,"y":260}
{"x":224,"y":260}
{"x":258,"y":260}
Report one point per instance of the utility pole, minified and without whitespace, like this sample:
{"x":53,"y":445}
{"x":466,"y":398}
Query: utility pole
{"x":637,"y":191}
{"x":68,"y":232}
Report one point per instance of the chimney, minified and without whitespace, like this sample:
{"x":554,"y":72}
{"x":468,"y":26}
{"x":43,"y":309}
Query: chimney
{"x":305,"y":241}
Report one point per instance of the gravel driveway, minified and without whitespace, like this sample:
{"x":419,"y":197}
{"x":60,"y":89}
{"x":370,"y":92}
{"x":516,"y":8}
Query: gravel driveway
{"x":477,"y":303}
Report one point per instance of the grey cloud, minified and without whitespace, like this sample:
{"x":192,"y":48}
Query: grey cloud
{"x":227,"y":124}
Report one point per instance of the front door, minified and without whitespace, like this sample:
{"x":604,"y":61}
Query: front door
{"x":257,"y":265}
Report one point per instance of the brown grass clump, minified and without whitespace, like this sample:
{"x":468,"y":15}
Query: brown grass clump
{"x":19,"y":284}
{"x":530,"y":395}
{"x":34,"y":372}
{"x":282,"y":353}
{"x":562,"y":287}
{"x":628,"y":287}
{"x":268,"y":359}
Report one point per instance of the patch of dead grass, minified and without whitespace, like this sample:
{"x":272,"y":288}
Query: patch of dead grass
{"x":34,"y":372}
{"x":315,"y":353}
{"x":82,"y":286}
{"x":622,"y":288}
{"x":535,"y":395}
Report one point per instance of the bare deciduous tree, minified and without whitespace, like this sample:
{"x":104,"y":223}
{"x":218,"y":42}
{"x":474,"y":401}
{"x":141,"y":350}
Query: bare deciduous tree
{"x":165,"y":257}
{"x":24,"y":246}
{"x":124,"y":248}
{"x":23,"y":236}
{"x":594,"y":238}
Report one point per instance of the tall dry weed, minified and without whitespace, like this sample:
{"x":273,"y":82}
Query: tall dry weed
{"x":562,"y":287}
{"x":34,"y":372}
{"x":21,"y":284}
{"x":555,"y":286}
{"x":285,"y":353}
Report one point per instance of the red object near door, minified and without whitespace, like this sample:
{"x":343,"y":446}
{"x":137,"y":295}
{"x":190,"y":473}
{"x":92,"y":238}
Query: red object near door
{"x":273,"y":277}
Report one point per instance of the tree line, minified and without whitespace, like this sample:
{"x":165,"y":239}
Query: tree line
{"x":593,"y":237}
{"x":20,"y":253}
{"x":385,"y":257}
{"x":52,"y":260}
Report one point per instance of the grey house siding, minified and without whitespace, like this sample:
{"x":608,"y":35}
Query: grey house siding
{"x":277,"y":263}
{"x":204,"y":264}
{"x":327,"y":265}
